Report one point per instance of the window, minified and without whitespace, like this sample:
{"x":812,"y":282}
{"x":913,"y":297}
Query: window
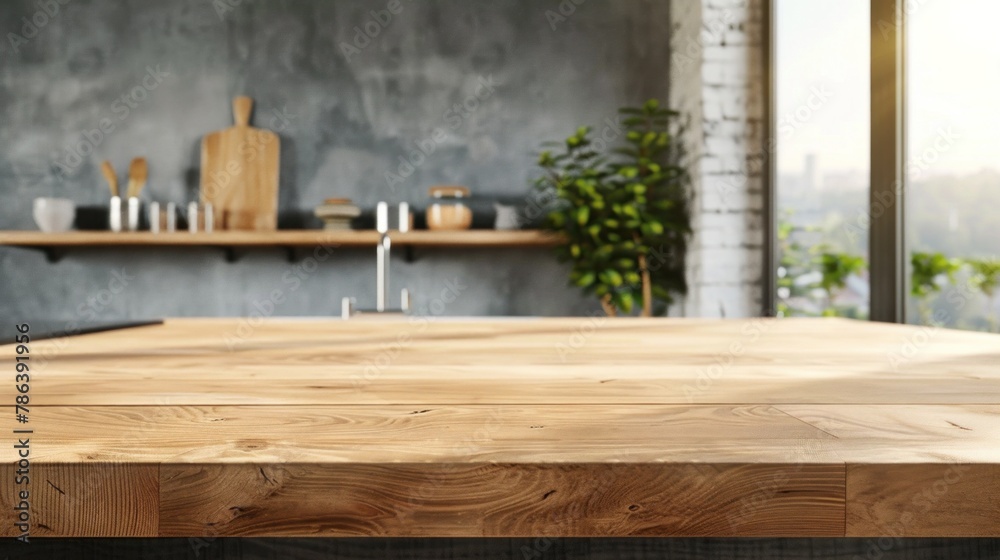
{"x":953,"y":163}
{"x":821,"y":168}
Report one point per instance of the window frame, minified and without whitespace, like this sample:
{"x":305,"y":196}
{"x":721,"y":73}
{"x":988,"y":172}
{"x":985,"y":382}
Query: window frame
{"x":887,"y":180}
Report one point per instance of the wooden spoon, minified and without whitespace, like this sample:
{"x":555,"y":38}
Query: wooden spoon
{"x":109,"y":175}
{"x":137,"y":175}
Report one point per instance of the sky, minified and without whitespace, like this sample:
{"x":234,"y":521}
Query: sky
{"x":953,"y":95}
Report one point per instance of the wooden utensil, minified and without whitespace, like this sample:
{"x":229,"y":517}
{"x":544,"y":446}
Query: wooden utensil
{"x":110,"y":177}
{"x":138,"y":172}
{"x":240,"y":173}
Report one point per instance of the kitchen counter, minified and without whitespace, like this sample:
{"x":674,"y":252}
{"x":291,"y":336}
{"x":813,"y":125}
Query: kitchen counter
{"x":535,"y":427}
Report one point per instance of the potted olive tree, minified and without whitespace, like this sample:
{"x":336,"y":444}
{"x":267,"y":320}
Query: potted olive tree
{"x":623,"y":208}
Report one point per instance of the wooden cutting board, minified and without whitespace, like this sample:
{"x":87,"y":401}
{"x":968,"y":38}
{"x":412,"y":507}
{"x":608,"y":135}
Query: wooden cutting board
{"x":239,"y":173}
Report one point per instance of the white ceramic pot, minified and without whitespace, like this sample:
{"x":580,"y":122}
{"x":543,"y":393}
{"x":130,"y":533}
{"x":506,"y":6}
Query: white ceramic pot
{"x":54,"y":215}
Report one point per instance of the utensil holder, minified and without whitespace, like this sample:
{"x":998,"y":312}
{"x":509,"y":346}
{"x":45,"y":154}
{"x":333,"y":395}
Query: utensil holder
{"x":115,"y":214}
{"x":162,"y":220}
{"x":201,"y":217}
{"x":134,"y":207}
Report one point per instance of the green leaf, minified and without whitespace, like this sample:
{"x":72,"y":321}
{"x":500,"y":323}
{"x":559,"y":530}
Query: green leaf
{"x":586,"y":280}
{"x":582,"y":215}
{"x":625,"y":301}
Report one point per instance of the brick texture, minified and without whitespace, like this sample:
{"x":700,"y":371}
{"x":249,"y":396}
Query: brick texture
{"x":717,"y":77}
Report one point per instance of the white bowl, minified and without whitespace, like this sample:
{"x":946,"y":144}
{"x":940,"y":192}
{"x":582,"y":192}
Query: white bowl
{"x":54,"y":215}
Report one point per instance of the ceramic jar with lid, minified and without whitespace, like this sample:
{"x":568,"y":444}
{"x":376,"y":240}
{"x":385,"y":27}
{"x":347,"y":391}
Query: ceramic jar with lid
{"x":447,"y":210}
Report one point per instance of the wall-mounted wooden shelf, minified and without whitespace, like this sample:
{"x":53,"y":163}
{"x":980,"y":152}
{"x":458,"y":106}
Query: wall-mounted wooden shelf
{"x":55,"y":244}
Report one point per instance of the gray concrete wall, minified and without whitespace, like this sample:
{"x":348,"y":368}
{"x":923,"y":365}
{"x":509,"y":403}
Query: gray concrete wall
{"x":157,"y":76}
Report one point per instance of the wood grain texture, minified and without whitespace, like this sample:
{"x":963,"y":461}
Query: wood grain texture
{"x":796,"y":425}
{"x":542,"y":361}
{"x":284,"y":238}
{"x":84,"y":499}
{"x":428,"y":433}
{"x":872,"y":433}
{"x":462,"y":499}
{"x":925,"y":500}
{"x":240,"y":168}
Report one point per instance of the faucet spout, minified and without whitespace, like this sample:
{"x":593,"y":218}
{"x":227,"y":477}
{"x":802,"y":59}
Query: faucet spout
{"x":383,"y":252}
{"x":382,"y":262}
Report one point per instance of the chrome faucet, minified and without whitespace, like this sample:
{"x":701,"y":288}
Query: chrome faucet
{"x":382,"y":260}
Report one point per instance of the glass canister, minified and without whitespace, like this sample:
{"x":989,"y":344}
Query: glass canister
{"x":447,"y":210}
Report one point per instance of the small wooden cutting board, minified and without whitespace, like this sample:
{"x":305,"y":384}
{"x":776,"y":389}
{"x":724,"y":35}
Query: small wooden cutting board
{"x":239,"y":173}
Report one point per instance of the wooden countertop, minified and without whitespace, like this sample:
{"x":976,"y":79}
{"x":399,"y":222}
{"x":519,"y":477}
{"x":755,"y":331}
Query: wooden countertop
{"x":554,"y":427}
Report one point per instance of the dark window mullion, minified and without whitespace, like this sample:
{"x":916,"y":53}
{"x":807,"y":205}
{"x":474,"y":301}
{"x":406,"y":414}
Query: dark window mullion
{"x":886,"y":253}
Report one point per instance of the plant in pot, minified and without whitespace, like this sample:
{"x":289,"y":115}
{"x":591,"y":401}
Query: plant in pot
{"x":623,"y":210}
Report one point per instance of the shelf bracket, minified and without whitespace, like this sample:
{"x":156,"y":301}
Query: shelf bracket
{"x":232,"y":255}
{"x":291,"y":254}
{"x":409,"y":253}
{"x":54,"y":255}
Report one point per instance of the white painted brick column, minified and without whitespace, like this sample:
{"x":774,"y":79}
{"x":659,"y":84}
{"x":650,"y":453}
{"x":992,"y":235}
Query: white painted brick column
{"x":717,"y":72}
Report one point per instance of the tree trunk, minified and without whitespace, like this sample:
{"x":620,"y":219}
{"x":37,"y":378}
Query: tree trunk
{"x":609,"y":308}
{"x":647,"y":288}
{"x":647,"y":283}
